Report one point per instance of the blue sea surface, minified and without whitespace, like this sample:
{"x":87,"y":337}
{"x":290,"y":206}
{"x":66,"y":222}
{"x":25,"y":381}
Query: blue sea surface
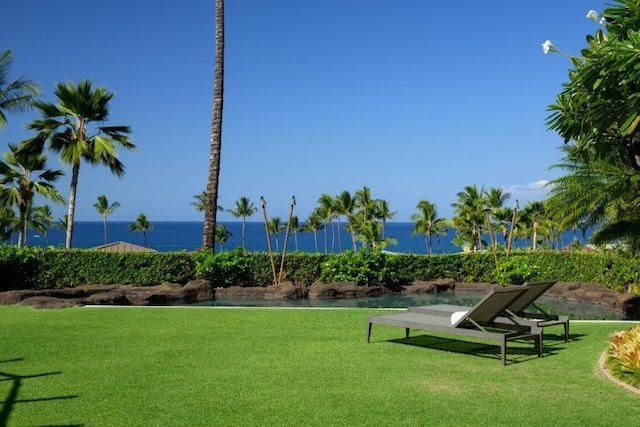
{"x":169,"y":236}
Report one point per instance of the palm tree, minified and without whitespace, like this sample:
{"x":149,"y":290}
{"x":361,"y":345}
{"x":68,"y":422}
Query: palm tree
{"x":222,"y":235}
{"x":16,"y":95}
{"x":141,"y":224}
{"x":370,"y":233}
{"x":344,"y":205}
{"x":67,"y":129}
{"x":327,"y":211}
{"x":8,"y":223}
{"x":314,"y":224}
{"x":200,"y":202}
{"x":535,"y":218}
{"x":383,"y":212}
{"x":216,"y":132}
{"x":17,"y":187}
{"x":244,"y":209}
{"x":275,"y":226}
{"x":427,"y":223}
{"x":495,"y":198}
{"x":469,"y":217}
{"x":104,"y":208}
{"x":42,"y":220}
{"x":294,"y":227}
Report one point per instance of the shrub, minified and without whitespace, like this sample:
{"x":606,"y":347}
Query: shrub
{"x":224,"y":268}
{"x":624,"y":355}
{"x":368,"y":267}
{"x":515,"y":270}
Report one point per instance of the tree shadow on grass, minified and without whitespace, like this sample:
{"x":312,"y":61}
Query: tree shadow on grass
{"x":517,"y":351}
{"x":11,"y":399}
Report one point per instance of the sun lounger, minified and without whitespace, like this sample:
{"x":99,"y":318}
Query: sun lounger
{"x":523,"y":309}
{"x":479,"y":321}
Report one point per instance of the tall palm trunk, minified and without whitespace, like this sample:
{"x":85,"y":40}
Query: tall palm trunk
{"x":211,"y":207}
{"x":75,"y":171}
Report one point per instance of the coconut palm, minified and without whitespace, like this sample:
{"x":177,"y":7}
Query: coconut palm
{"x":216,"y":131}
{"x":141,"y":224}
{"x":104,"y":208}
{"x":244,"y":209}
{"x":327,"y":211}
{"x":22,"y":176}
{"x":535,"y":217}
{"x":72,"y":128}
{"x":345,"y":205}
{"x":275,"y":226}
{"x":9,"y":223}
{"x":200,"y":202}
{"x":427,"y":223}
{"x":383,"y":212}
{"x":41,"y":220}
{"x":314,"y":224}
{"x":16,"y":95}
{"x":222,"y":235}
{"x":469,"y":217}
{"x":370,"y":234}
{"x":294,"y":227}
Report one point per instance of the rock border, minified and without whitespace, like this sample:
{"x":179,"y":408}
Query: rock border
{"x":604,"y":372}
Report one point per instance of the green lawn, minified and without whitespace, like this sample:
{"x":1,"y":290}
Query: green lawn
{"x":106,"y":366}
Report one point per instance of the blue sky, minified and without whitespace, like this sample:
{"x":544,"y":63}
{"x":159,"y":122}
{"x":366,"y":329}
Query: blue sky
{"x":413,"y":99}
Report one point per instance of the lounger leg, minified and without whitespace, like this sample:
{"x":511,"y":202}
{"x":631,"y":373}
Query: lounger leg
{"x":406,"y":332}
{"x":368,"y":331}
{"x":503,"y":350}
{"x":566,"y":331}
{"x":539,"y":341}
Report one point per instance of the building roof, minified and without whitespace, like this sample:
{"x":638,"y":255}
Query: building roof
{"x":122,"y":247}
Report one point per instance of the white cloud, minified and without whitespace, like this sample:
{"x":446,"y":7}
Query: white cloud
{"x":528,"y":192}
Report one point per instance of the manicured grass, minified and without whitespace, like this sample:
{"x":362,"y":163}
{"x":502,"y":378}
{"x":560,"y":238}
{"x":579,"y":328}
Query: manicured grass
{"x":213,"y":366}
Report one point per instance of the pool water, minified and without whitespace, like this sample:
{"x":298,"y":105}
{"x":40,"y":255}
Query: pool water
{"x":575,"y":310}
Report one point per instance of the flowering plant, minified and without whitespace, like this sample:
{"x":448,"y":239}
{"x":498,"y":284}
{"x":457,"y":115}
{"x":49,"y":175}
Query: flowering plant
{"x":624,"y":350}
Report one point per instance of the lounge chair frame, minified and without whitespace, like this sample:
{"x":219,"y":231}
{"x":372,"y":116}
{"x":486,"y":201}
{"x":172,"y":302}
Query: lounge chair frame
{"x":516,"y":311}
{"x":480,"y":322}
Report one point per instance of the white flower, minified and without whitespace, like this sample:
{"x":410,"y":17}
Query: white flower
{"x":547,"y":46}
{"x":593,"y":15}
{"x":603,"y":21}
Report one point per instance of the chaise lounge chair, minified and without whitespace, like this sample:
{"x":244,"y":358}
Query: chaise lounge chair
{"x":479,"y":321}
{"x":517,"y":310}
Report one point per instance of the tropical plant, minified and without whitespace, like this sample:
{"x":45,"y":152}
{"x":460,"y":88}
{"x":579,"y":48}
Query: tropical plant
{"x":469,"y":217}
{"x":624,"y":354}
{"x":327,"y":212}
{"x":294,"y":227}
{"x":16,"y":95}
{"x":222,"y":235}
{"x":597,"y":116}
{"x":8,"y":223}
{"x":72,"y":128}
{"x":216,"y":131}
{"x":275,"y":226}
{"x":200,"y":202}
{"x":344,"y":204}
{"x":141,"y":224}
{"x":104,"y":209}
{"x":383,"y":213}
{"x":244,"y":209}
{"x":428,"y":223}
{"x":22,"y":176}
{"x":313,"y":224}
{"x":41,"y":220}
{"x":370,"y":234}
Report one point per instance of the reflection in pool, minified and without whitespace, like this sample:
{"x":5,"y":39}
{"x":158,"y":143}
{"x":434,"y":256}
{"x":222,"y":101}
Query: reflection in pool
{"x":575,"y":310}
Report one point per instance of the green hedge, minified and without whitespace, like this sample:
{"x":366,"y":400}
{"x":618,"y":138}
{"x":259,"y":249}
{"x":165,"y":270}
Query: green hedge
{"x":37,"y":268}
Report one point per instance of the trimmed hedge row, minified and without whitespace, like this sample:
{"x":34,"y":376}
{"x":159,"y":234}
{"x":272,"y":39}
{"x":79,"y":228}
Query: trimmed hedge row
{"x":38,"y":268}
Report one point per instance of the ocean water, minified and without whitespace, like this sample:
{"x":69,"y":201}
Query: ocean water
{"x":187,"y":236}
